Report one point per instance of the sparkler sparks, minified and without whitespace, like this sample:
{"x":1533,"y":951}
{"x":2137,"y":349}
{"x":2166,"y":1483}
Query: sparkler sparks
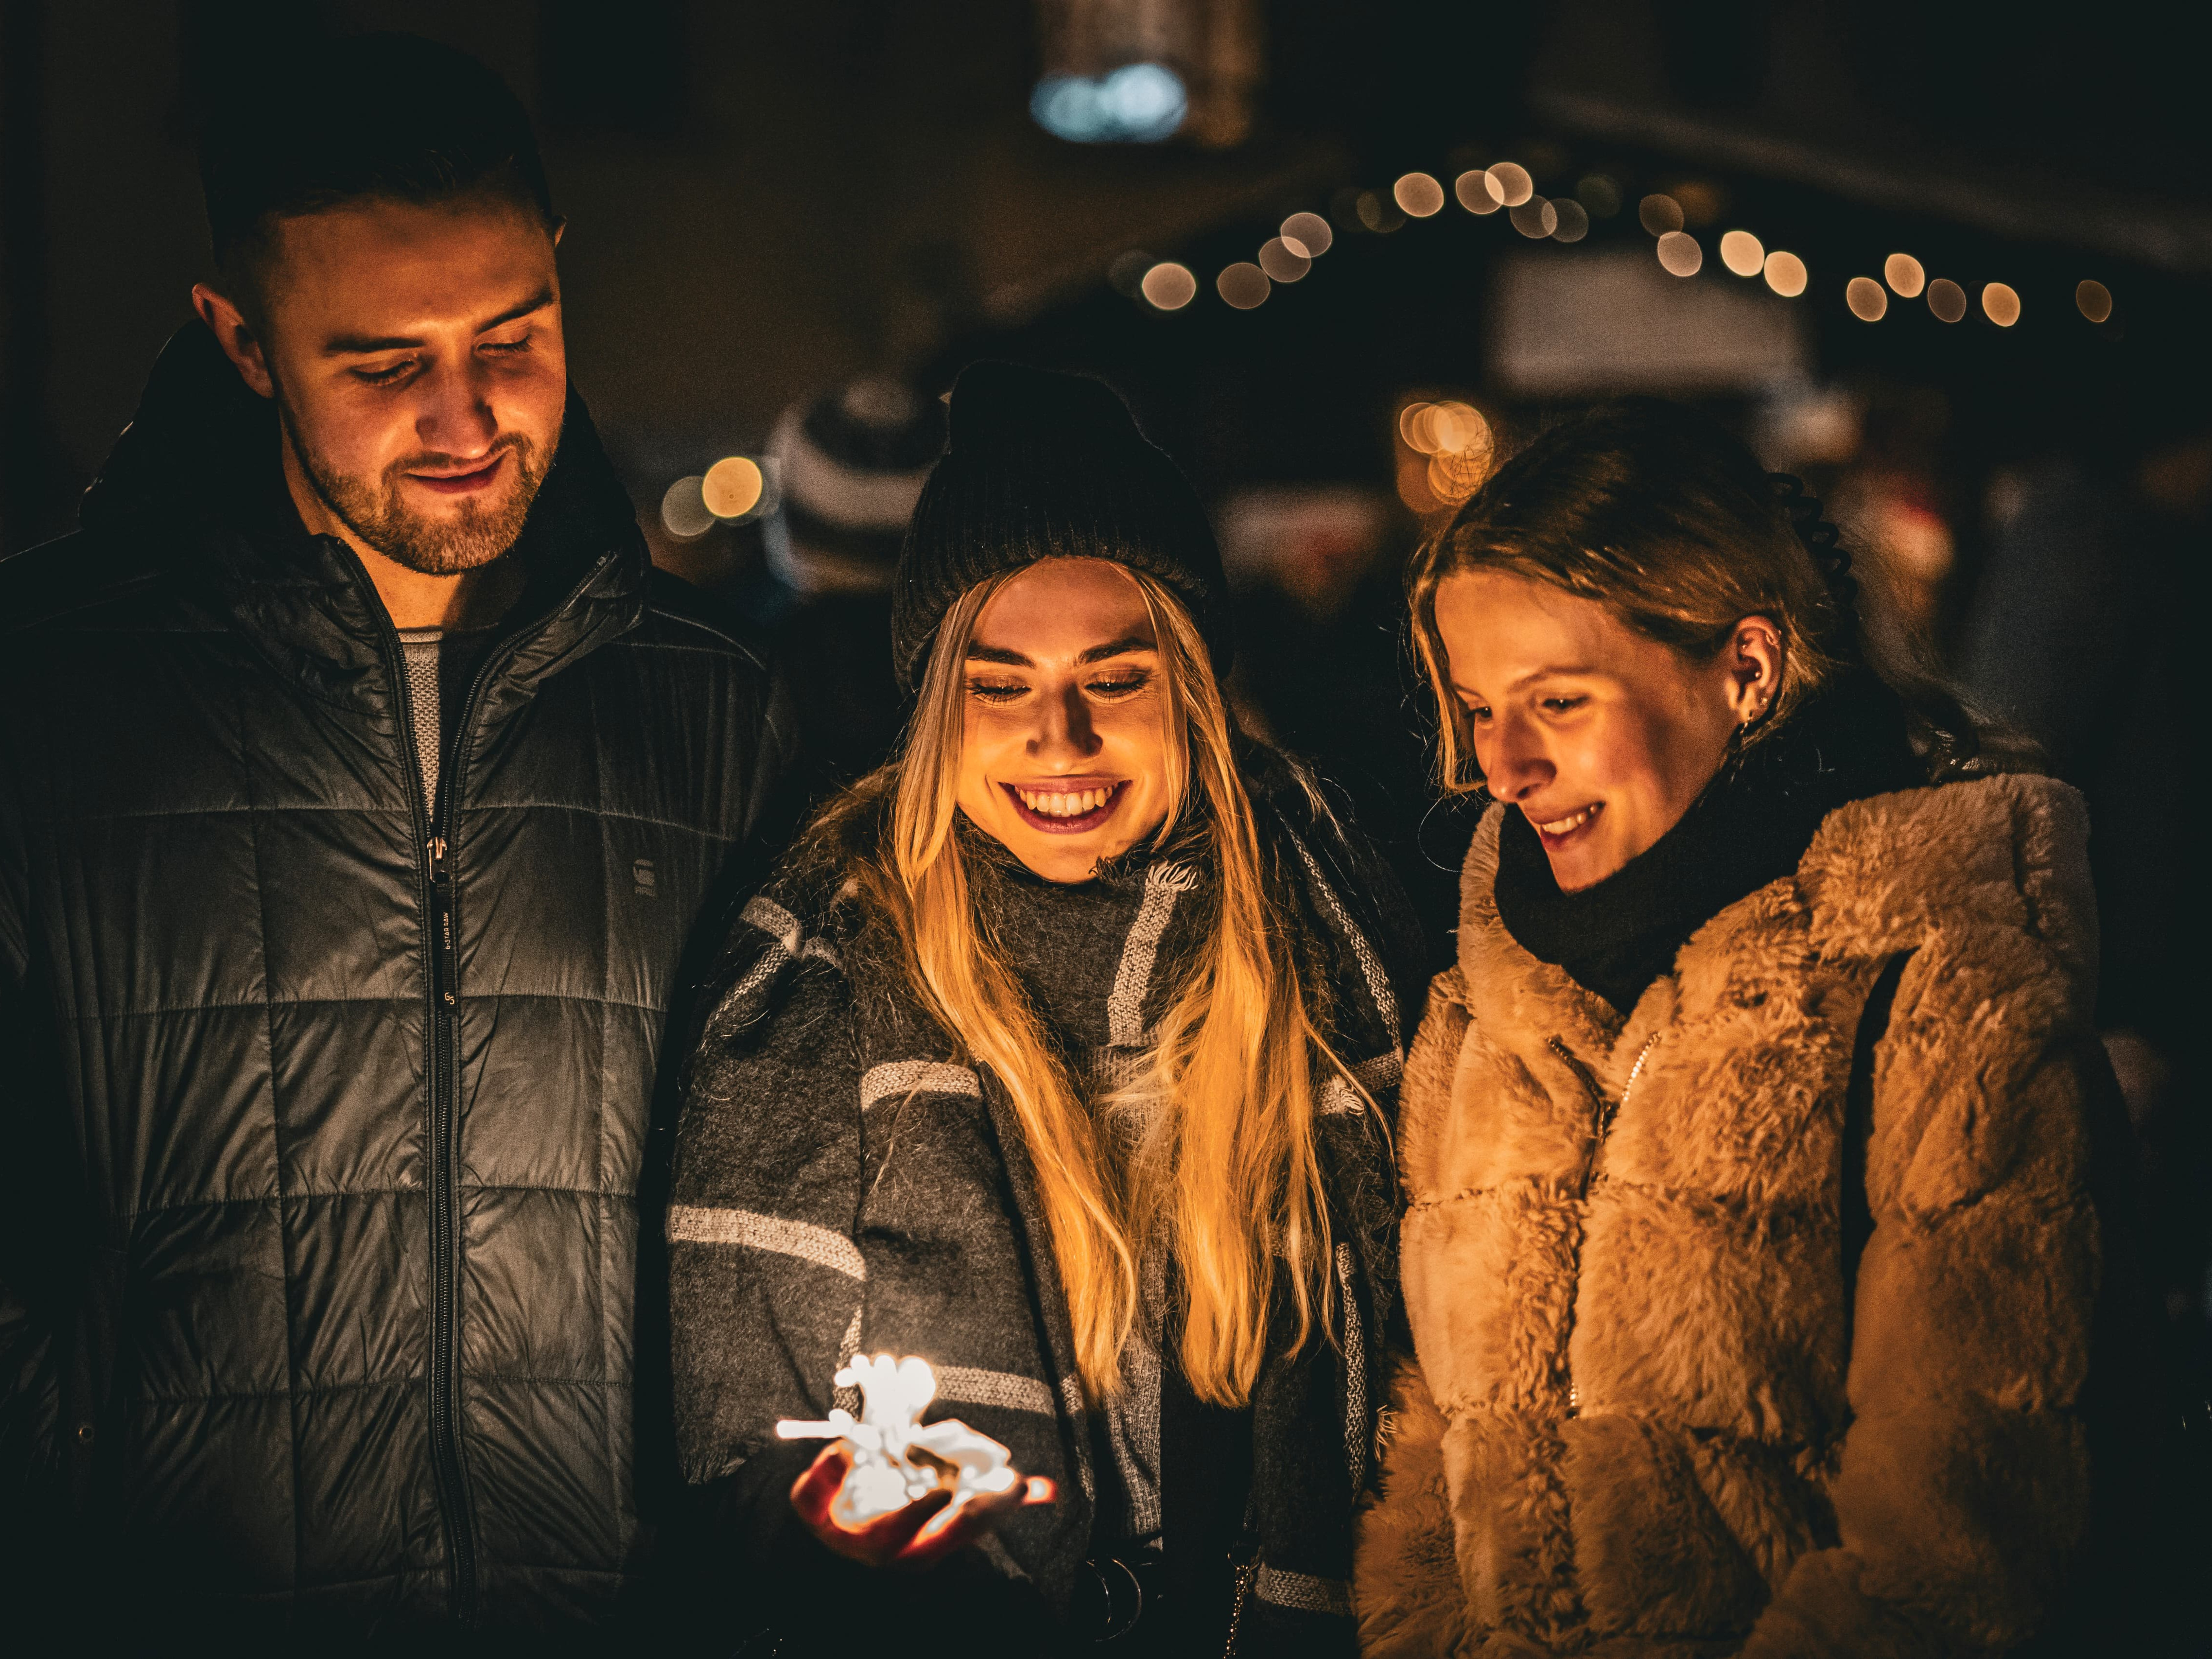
{"x":897,"y":1458}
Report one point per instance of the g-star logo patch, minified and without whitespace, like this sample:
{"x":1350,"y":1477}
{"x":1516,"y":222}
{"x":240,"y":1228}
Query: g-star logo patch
{"x":642,"y":872}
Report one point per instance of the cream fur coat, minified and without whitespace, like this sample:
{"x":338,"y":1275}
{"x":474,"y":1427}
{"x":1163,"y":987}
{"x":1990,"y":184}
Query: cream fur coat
{"x":1646,"y":1419}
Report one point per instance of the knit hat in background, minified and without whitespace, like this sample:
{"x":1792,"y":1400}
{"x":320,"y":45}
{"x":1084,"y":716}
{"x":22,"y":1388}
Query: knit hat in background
{"x":1045,"y":466}
{"x":851,"y":465}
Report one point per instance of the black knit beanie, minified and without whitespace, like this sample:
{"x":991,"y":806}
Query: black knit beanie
{"x":1044,"y":466}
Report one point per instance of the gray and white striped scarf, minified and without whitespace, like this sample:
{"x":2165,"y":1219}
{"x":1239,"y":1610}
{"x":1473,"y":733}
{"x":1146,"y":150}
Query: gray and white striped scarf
{"x":845,"y":1182}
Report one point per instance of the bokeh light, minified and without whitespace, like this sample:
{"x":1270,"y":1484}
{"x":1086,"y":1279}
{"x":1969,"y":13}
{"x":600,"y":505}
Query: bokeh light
{"x":1680,"y":254}
{"x":1243,"y":284}
{"x":1127,"y":273}
{"x":1308,"y":233}
{"x":1573,"y":221}
{"x":1472,"y":189}
{"x":1170,"y":286}
{"x":1741,"y":254}
{"x":1864,"y":296}
{"x":1659,"y":214}
{"x":1598,"y":194}
{"x":1535,"y":218}
{"x":1451,"y":451}
{"x":733,"y":487}
{"x":1282,"y":262}
{"x":1419,"y":194}
{"x":683,"y":511}
{"x":2095,"y":301}
{"x":1701,"y":202}
{"x":1905,"y":276}
{"x":1946,"y":299}
{"x":1786,"y":274}
{"x":1138,"y":103}
{"x":1411,"y":431}
{"x":1508,"y":184}
{"x":1377,"y":214}
{"x":2001,"y":304}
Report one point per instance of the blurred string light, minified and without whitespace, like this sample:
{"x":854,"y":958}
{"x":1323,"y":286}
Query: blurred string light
{"x":1508,"y":184}
{"x":1448,"y":451}
{"x":1419,"y":195}
{"x":1946,"y":299}
{"x":1137,"y":103}
{"x":1864,"y":296}
{"x":1307,"y":234}
{"x":1599,"y":195}
{"x":1905,"y":276}
{"x":733,"y":487}
{"x":1535,"y":218}
{"x":1659,"y":215}
{"x":1169,"y":286}
{"x":1573,"y":223}
{"x":1472,"y":189}
{"x":1282,"y":262}
{"x":1243,"y":285}
{"x":1741,"y":254}
{"x":2094,"y":301}
{"x":1786,"y":274}
{"x":1680,"y":254}
{"x":683,"y":510}
{"x":2001,"y":304}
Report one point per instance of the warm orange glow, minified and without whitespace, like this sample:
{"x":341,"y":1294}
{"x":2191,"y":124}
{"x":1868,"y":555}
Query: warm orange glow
{"x":1946,"y":299}
{"x":1170,"y":286}
{"x":1472,"y":189}
{"x":1680,"y":254}
{"x":684,"y":513}
{"x":1786,"y":274}
{"x":885,"y":1476}
{"x":1700,"y":203}
{"x":1419,"y":194}
{"x":1508,"y":184}
{"x":1243,"y":285}
{"x":1573,"y":219}
{"x":1904,"y":274}
{"x":1413,"y":482}
{"x":1412,"y":430}
{"x":1308,"y":233}
{"x":731,"y":488}
{"x":2001,"y":304}
{"x":1282,"y":262}
{"x":1864,"y":296}
{"x":1741,"y":254}
{"x":1659,"y":214}
{"x":2095,"y":301}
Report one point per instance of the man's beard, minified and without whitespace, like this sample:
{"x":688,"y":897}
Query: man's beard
{"x":476,"y":534}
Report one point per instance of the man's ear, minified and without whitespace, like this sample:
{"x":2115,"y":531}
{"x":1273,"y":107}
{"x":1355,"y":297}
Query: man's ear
{"x":1752,"y":662}
{"x":236,"y":337}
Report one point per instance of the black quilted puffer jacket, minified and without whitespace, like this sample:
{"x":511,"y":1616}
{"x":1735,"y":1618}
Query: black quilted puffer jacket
{"x":323,"y":1115}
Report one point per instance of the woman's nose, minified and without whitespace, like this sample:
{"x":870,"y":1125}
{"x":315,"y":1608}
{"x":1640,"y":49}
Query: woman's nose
{"x":1514,"y":764}
{"x":1064,"y":731}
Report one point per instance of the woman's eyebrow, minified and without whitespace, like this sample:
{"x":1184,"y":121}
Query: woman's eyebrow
{"x":1120,"y":648}
{"x":997,"y":654}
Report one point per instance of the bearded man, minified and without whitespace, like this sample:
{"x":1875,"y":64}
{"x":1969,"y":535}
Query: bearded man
{"x":359,"y":785}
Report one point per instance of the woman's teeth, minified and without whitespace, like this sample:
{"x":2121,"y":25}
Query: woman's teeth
{"x":1573,"y":821}
{"x":1059,"y":806}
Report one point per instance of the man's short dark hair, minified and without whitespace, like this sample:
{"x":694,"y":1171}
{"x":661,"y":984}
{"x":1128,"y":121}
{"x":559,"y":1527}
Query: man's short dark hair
{"x":332,"y":120}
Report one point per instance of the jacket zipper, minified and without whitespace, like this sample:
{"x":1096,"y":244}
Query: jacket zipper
{"x":435,"y":891}
{"x":1604,"y":1113}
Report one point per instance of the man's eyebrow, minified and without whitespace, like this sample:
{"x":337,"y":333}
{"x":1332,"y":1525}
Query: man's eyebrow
{"x":352,"y":345}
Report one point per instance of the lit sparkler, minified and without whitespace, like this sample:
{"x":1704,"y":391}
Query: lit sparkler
{"x":896,"y":1457}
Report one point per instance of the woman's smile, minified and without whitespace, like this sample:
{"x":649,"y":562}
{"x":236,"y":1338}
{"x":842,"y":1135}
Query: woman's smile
{"x":1559,"y":830}
{"x":1068,"y":806}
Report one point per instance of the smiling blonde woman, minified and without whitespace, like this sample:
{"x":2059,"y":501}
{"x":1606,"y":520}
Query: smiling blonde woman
{"x":1059,"y":1054}
{"x":1750,"y":1257}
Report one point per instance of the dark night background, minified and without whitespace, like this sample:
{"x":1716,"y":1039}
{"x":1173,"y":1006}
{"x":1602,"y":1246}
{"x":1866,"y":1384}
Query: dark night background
{"x":767,"y":201}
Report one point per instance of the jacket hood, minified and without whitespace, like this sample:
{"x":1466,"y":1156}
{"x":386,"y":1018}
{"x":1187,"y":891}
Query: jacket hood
{"x":197,"y":476}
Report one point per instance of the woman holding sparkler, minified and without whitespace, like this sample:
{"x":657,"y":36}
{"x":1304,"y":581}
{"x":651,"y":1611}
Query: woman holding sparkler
{"x":1060,"y":1054}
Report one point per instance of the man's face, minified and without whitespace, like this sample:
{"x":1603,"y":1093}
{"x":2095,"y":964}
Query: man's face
{"x":417,"y":359}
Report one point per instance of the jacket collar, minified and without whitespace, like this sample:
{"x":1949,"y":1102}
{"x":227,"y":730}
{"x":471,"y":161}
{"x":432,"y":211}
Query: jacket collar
{"x":197,"y":474}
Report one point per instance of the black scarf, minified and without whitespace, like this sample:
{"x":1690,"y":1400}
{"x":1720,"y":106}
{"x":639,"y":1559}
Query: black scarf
{"x":1750,"y":826}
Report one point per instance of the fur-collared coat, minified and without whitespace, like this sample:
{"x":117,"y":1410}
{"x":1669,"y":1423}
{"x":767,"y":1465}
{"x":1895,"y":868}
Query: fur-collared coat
{"x":1753,"y":1322}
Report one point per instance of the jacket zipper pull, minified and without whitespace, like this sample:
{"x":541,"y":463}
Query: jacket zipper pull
{"x":442,"y":921}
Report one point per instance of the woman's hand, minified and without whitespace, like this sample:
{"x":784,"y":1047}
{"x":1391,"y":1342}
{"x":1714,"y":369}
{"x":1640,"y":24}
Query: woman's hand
{"x":913,"y":1537}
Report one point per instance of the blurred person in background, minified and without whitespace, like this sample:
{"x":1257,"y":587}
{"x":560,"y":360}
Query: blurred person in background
{"x":1060,"y":1054}
{"x":1768,"y":1259}
{"x":360,"y":787}
{"x":849,"y":466}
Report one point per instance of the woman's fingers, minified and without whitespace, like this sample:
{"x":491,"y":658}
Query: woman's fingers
{"x":921,"y":1533}
{"x":813,"y":1493}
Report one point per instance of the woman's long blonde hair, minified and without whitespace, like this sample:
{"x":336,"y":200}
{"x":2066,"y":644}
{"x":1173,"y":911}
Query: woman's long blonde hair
{"x":1224,"y":1172}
